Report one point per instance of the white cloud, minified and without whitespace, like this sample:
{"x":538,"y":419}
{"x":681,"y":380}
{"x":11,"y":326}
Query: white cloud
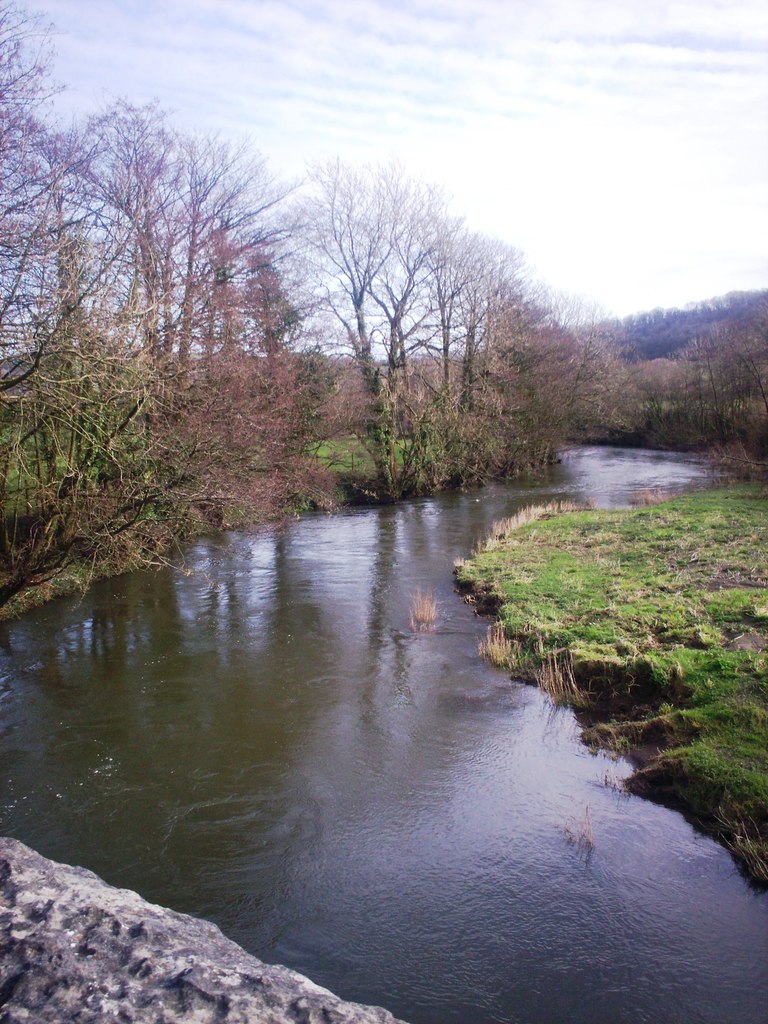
{"x":623,"y":146}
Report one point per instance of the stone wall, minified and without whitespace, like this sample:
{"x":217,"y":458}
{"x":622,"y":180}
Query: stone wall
{"x":73,"y":949}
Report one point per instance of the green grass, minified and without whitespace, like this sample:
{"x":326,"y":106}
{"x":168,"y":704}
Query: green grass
{"x":350,"y":461}
{"x":662,"y":612}
{"x":345,"y":456}
{"x":349,"y":456}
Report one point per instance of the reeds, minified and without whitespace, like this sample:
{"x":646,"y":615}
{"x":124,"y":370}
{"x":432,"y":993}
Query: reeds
{"x":498,"y":649}
{"x":612,"y":780}
{"x":555,"y":677}
{"x":649,"y":496}
{"x":423,"y":611}
{"x":743,"y":837}
{"x":578,"y":831}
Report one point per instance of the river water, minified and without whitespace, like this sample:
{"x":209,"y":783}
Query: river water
{"x":264,"y":742}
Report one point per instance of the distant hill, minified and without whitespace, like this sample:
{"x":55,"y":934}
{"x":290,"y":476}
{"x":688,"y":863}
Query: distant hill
{"x":664,"y":332}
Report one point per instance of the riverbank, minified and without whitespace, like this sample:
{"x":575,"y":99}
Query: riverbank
{"x":653,"y":622}
{"x":351,"y":481}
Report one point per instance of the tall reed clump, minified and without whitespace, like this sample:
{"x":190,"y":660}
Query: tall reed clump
{"x":503,"y":527}
{"x":649,"y":496}
{"x":579,"y":831}
{"x":555,"y":677}
{"x":498,"y":649}
{"x":744,"y":838}
{"x":423,"y":611}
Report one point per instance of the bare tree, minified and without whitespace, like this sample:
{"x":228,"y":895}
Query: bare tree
{"x":26,"y":200}
{"x":400,"y":288}
{"x":422,"y":302}
{"x":196,"y":211}
{"x":227,"y":228}
{"x":127,"y":249}
{"x":345,"y":228}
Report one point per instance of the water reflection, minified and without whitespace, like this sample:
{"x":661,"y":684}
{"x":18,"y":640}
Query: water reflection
{"x":265,"y":742}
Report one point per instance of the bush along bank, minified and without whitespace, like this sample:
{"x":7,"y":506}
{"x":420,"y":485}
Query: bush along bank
{"x":654,"y":622}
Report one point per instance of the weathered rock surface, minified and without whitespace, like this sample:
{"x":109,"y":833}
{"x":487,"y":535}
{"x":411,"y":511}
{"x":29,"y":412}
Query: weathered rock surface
{"x":73,"y":949}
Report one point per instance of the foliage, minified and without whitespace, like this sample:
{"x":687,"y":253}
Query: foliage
{"x":78,"y":471}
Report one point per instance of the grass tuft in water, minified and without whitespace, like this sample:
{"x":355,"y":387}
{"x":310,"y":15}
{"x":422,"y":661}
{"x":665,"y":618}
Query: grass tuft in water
{"x":578,"y":831}
{"x":423,"y":611}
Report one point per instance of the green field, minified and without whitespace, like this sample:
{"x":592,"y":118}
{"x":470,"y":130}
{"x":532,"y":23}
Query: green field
{"x":655,"y":621}
{"x":345,"y":456}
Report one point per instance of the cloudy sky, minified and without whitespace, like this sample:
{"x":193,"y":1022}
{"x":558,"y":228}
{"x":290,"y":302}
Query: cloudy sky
{"x":621,"y":144}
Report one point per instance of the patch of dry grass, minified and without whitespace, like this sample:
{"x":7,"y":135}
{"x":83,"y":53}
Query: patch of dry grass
{"x":423,"y":611}
{"x":498,"y":649}
{"x":555,"y":676}
{"x":744,"y":837}
{"x":648,"y":496}
{"x":501,"y":528}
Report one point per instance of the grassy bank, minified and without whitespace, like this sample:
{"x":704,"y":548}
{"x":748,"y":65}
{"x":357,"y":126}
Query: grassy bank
{"x":654,"y":621}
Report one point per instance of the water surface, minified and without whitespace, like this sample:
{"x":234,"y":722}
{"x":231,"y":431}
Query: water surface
{"x":263,"y":741}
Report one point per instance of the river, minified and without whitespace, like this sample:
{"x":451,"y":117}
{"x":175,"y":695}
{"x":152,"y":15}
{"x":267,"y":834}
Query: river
{"x":260,"y":739}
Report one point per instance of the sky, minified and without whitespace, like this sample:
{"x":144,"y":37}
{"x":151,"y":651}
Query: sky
{"x":622,"y":145}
